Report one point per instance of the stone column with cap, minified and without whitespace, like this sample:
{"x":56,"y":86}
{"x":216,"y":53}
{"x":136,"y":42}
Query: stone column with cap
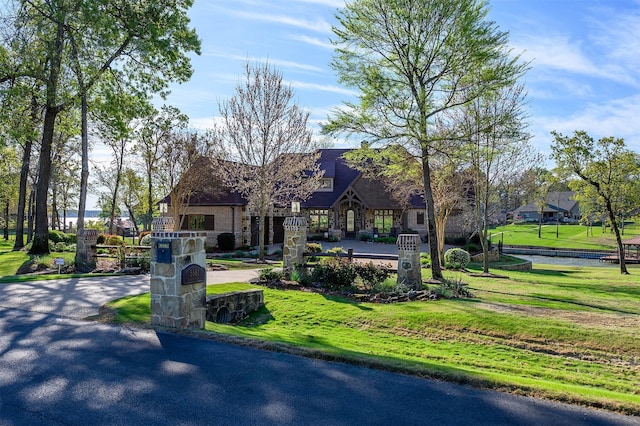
{"x":409,"y":268}
{"x":178,"y":276}
{"x":86,"y":249}
{"x":295,"y":244}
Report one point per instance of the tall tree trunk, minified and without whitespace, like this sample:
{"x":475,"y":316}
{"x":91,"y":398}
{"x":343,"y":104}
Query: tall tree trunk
{"x":40,"y":244}
{"x":22,"y":195}
{"x":6,"y":220}
{"x":84,"y":176}
{"x":30,"y":213}
{"x":436,"y":270}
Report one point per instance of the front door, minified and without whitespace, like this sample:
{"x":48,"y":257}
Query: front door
{"x":351,"y":224}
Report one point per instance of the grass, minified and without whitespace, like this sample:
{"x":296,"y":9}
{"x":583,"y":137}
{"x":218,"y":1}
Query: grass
{"x":565,"y":333}
{"x":569,"y":236}
{"x":235,"y":264}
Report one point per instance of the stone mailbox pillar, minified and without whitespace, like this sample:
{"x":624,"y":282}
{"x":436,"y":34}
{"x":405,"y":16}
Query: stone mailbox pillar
{"x":87,"y":251}
{"x":295,"y":243}
{"x":409,"y":268}
{"x":178,"y":276}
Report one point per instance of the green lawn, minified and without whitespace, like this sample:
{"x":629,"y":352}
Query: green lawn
{"x":569,"y":236}
{"x":565,"y":333}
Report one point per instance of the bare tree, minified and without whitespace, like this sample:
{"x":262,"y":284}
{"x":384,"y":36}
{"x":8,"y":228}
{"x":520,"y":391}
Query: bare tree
{"x":268,"y":145}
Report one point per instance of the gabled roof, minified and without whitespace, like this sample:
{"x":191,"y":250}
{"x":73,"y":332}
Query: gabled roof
{"x":336,"y":167}
{"x":557,"y":201}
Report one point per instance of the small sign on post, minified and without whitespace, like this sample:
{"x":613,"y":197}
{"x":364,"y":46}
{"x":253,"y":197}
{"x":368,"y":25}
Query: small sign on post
{"x":59,"y":261}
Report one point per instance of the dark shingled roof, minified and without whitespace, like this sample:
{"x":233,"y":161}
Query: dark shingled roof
{"x":336,"y":167}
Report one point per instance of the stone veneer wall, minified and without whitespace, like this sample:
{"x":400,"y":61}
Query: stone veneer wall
{"x":494,"y":256}
{"x":409,"y":268}
{"x":173,"y":304}
{"x":86,"y":246}
{"x":295,"y":243}
{"x":234,"y":306}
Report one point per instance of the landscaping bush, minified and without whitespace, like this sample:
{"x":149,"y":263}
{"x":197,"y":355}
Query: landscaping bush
{"x":114,"y":240}
{"x":226,"y":241}
{"x":336,"y":274}
{"x":336,"y":250}
{"x":425,"y":259}
{"x":60,"y":247}
{"x":268,"y":274}
{"x":456,"y":258}
{"x":313,"y":248}
{"x":471,"y":248}
{"x":102,"y":237}
{"x":56,"y":236}
{"x":385,"y":240}
{"x":372,"y":275}
{"x":365,"y":237}
{"x":145,"y":240}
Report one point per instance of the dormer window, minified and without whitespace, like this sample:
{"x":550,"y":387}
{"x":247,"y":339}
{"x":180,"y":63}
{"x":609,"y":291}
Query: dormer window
{"x":326,"y":185}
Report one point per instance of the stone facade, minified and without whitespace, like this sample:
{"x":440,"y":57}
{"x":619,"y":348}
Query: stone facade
{"x":295,"y":243}
{"x":174,"y":304}
{"x":409,"y":268}
{"x":493,"y":255}
{"x":86,"y":246}
{"x":235,"y":306}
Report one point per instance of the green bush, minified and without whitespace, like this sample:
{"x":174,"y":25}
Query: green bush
{"x":425,"y":259}
{"x":336,"y":274}
{"x":313,"y":248}
{"x":372,"y":275}
{"x":471,"y":248}
{"x":456,"y":258}
{"x":365,"y":237}
{"x":226,"y":241}
{"x":385,"y":240}
{"x":56,"y":236}
{"x":145,"y":240}
{"x":60,"y":247}
{"x":268,"y":274}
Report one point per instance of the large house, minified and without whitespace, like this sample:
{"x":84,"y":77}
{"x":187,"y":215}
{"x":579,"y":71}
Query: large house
{"x":347,"y":205}
{"x":559,"y":205}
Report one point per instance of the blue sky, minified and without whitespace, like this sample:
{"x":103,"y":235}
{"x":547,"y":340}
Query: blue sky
{"x":585,"y":57}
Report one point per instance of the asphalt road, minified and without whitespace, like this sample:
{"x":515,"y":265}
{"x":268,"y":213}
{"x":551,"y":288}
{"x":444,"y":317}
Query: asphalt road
{"x":56,"y":369}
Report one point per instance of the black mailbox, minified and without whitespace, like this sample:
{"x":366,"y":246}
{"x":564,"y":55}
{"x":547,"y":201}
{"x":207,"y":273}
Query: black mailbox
{"x":163,"y":251}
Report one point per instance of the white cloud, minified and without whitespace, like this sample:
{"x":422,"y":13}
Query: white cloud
{"x":320,"y":87}
{"x":317,"y":25}
{"x":617,"y":118}
{"x":278,"y":62}
{"x":324,"y":43}
{"x":330,"y":3}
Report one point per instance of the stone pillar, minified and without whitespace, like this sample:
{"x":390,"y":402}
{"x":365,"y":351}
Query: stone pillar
{"x":409,"y":268}
{"x":178,"y":276}
{"x":295,"y":243}
{"x":86,"y":249}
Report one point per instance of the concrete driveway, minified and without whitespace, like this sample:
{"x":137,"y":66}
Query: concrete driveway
{"x":82,"y":297}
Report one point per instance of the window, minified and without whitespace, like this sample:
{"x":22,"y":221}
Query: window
{"x":383,"y":220}
{"x":326,"y":185}
{"x":420,"y":218}
{"x":199,"y":222}
{"x":318,"y":220}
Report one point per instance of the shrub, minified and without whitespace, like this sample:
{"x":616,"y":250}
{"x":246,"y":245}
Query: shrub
{"x":114,"y":240}
{"x":453,"y":289}
{"x":365,"y":237}
{"x":456,"y":258}
{"x":313,"y":248}
{"x":385,"y":240}
{"x":102,"y":237}
{"x":336,"y":250}
{"x":335,"y":274}
{"x":372,"y":275}
{"x":268,"y":274}
{"x":145,"y":240}
{"x":226,"y":241}
{"x":425,"y":259}
{"x":56,"y":236}
{"x":142,"y":260}
{"x":471,"y":248}
{"x":60,"y":247}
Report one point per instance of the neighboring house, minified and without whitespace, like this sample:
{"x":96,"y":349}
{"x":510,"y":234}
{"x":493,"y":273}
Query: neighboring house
{"x":123,"y":227}
{"x":558,"y":205}
{"x":347,"y":205}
